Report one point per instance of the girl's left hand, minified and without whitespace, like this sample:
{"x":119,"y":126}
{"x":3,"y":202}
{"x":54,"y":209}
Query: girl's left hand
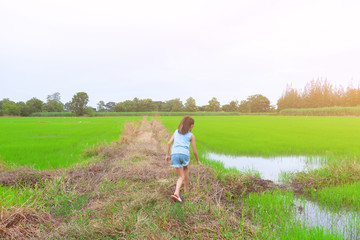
{"x":167,"y":158}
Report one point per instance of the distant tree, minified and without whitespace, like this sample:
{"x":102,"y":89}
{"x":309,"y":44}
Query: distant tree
{"x":53,"y":103}
{"x":119,"y":107}
{"x":312,"y":94}
{"x":226,"y":108}
{"x":2,"y":102}
{"x":352,"y":97}
{"x":272,"y":108}
{"x":130,"y":106}
{"x":24,"y":109}
{"x":90,"y":111}
{"x":231,"y":107}
{"x":146,"y":105}
{"x":291,"y":98}
{"x":258,"y":103}
{"x":190,"y":105}
{"x":203,"y":108}
{"x":54,"y":97}
{"x":125,"y":106}
{"x":319,"y":93}
{"x":35,"y":105}
{"x":214,"y":105}
{"x":173,"y":105}
{"x":79,"y":102}
{"x":159,"y":105}
{"x":243,"y":106}
{"x":101,"y":107}
{"x":135,"y":105}
{"x":10,"y":108}
{"x":110,"y":106}
{"x":67,"y":106}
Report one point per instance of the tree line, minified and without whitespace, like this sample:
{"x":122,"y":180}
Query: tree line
{"x":319,"y":93}
{"x":78,"y":105}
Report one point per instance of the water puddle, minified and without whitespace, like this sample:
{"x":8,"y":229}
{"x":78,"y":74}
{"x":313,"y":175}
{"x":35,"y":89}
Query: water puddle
{"x":269,"y":168}
{"x":344,"y":222}
{"x":310,"y":213}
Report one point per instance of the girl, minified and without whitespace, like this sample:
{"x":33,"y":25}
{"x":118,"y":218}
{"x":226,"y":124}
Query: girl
{"x":180,"y":155}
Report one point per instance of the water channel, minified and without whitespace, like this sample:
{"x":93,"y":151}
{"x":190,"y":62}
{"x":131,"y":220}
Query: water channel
{"x":269,"y":168}
{"x":310,"y":213}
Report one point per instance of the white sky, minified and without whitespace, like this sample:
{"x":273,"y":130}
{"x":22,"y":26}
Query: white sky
{"x":118,"y":50}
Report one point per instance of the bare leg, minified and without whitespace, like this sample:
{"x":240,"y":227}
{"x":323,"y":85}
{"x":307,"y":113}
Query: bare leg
{"x":186,"y":178}
{"x":180,"y":180}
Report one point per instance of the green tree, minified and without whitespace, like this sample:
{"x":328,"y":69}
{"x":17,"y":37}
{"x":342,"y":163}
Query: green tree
{"x":129,"y":106}
{"x":258,"y":103}
{"x":243,"y":106}
{"x":35,"y":105}
{"x":2,"y":102}
{"x":10,"y":108}
{"x":90,"y":111}
{"x":190,"y":105}
{"x":231,"y":107}
{"x":53,"y":103}
{"x":54,"y":97}
{"x":214,"y":105}
{"x":101,"y":107}
{"x":173,"y":105}
{"x":146,"y":105}
{"x":159,"y":105}
{"x":291,"y":98}
{"x":110,"y":106}
{"x":125,"y":106}
{"x":79,"y":102}
{"x":119,"y":107}
{"x":67,"y":106}
{"x":204,"y":108}
{"x":24,"y":109}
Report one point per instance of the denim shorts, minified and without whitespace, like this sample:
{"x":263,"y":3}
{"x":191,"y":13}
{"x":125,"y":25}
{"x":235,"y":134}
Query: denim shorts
{"x":179,"y":160}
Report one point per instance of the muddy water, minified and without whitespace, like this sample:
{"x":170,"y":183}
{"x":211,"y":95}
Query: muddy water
{"x":310,"y":213}
{"x":269,"y":168}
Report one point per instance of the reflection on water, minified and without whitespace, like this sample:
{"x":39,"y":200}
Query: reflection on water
{"x":309,"y":213}
{"x":269,"y":168}
{"x":342,"y":221}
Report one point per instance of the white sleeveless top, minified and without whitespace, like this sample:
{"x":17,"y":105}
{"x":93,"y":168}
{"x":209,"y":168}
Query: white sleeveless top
{"x":181,"y":143}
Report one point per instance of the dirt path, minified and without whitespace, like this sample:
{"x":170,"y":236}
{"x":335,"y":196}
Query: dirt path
{"x":133,"y":176}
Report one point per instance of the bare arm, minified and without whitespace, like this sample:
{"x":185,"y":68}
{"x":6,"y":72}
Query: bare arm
{"x":193,"y":145}
{"x":167,"y":158}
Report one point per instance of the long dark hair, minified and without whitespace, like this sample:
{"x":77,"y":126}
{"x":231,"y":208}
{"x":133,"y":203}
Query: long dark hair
{"x":185,"y":124}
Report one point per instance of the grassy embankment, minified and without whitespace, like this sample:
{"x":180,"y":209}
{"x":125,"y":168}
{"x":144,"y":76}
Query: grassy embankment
{"x":324,"y":111}
{"x":334,"y":138}
{"x":119,"y":114}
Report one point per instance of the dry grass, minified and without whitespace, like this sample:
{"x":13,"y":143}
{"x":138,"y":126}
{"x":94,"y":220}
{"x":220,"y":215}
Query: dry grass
{"x":25,"y":176}
{"x":24,"y":223}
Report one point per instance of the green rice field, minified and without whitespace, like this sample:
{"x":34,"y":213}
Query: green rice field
{"x":57,"y":142}
{"x":334,"y":187}
{"x":276,"y":135}
{"x":53,"y":142}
